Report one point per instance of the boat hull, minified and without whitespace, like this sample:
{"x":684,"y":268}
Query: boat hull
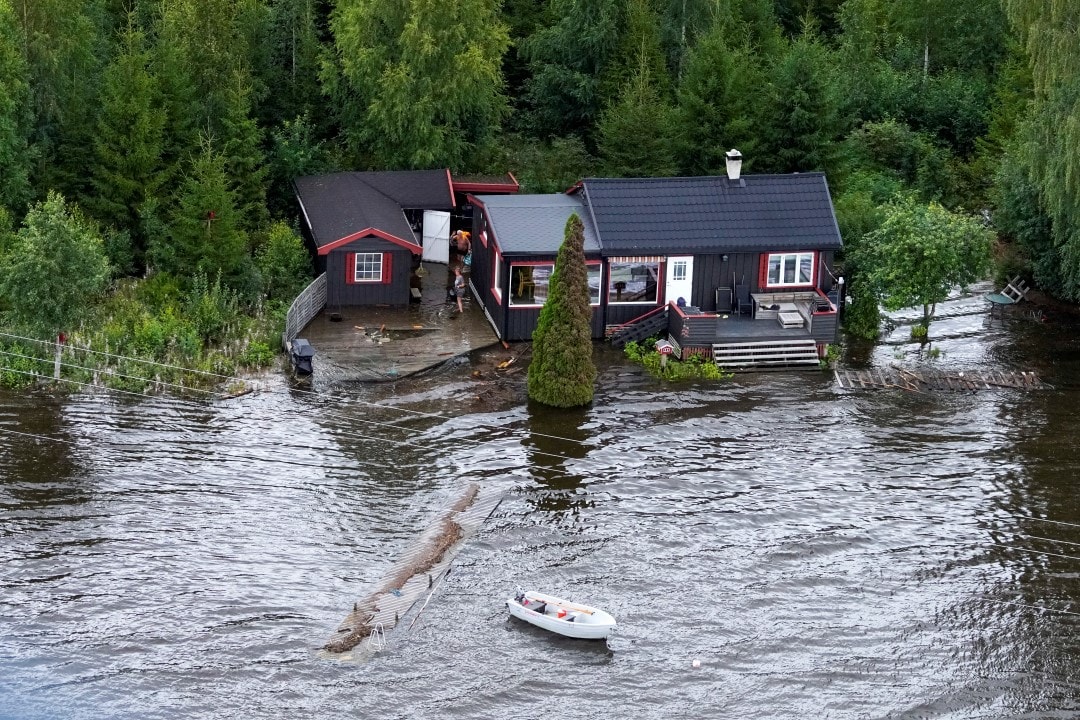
{"x":561,"y":616}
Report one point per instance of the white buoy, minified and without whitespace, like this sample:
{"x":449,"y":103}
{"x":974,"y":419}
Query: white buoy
{"x":696,"y":663}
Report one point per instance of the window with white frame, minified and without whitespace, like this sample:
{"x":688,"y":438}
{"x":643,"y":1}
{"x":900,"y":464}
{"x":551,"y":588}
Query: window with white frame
{"x":678,"y":270}
{"x":368,"y":267}
{"x":529,"y":283}
{"x":790,"y":269}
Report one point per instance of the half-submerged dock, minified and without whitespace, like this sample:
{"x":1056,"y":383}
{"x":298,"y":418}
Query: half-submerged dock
{"x":415,"y":575}
{"x":931,"y":380}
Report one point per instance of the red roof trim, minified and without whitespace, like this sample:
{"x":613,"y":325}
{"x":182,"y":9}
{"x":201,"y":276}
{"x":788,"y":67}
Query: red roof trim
{"x":450,"y":185}
{"x":480,"y":187}
{"x":472,"y":200}
{"x":368,"y":232}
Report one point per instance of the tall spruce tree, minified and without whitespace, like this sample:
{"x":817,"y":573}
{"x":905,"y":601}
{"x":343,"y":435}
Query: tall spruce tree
{"x":129,"y":167}
{"x":562,"y":372}
{"x":15,"y":115}
{"x":204,"y":233}
{"x":801,"y":110}
{"x":245,"y":163}
{"x":717,"y":107}
{"x":567,"y":58}
{"x":636,"y":132}
{"x":419,"y":82}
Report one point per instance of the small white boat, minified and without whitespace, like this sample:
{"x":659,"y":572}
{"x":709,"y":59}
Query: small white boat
{"x":561,"y":616}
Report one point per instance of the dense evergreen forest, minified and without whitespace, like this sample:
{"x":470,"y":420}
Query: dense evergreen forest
{"x":148,"y":147}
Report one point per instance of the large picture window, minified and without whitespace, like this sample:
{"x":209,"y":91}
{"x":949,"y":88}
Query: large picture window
{"x":530,"y":284}
{"x":790,"y":269}
{"x":368,"y":267}
{"x":633,"y":281}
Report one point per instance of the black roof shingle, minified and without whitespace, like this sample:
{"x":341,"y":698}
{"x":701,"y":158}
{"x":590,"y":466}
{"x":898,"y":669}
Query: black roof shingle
{"x":672,"y":216}
{"x":340,"y":204}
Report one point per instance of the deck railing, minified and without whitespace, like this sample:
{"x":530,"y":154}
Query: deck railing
{"x":305,"y":307}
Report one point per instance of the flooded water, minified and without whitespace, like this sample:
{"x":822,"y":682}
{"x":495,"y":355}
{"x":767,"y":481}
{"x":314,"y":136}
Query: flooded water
{"x":823,"y":553}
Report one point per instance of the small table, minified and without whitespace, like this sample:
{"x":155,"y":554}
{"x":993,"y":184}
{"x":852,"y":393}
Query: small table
{"x":788,"y":316}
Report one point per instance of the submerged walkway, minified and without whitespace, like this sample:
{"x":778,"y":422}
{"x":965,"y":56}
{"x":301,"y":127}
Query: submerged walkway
{"x":415,"y":575}
{"x":385,"y":343}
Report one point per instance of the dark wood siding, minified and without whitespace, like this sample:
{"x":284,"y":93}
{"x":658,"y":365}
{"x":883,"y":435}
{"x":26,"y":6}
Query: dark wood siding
{"x":823,"y":329}
{"x":396,"y":292}
{"x":712,"y":271}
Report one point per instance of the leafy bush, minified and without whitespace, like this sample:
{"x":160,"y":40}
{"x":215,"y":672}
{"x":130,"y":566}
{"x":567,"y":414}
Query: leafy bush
{"x":693,"y":367}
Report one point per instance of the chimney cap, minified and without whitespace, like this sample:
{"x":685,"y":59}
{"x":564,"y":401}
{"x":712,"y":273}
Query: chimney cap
{"x":733,"y":154}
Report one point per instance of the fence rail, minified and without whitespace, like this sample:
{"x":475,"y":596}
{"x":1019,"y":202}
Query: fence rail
{"x":305,"y":307}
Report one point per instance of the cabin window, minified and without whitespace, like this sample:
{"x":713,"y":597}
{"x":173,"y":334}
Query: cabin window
{"x":678,"y":270}
{"x":790,"y":269}
{"x":594,"y":283}
{"x":633,"y":281}
{"x":368,"y":267}
{"x":529,"y":283}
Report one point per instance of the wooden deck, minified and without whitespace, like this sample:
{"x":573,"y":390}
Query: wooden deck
{"x":926,"y":380}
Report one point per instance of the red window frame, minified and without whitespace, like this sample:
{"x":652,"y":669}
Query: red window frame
{"x":387,"y":269}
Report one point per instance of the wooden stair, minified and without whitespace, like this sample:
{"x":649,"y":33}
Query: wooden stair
{"x":654,"y":323}
{"x":766,"y":353}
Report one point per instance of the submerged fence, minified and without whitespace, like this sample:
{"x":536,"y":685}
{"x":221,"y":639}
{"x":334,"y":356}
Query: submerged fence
{"x":306,"y":306}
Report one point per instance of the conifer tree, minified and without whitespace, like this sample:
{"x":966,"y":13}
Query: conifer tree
{"x":204,"y":233}
{"x":717,"y":104}
{"x":419,"y":82}
{"x":245,"y":163}
{"x":636,"y":132}
{"x":14,"y":115}
{"x":568,"y":59}
{"x":129,"y":142}
{"x":801,"y":112}
{"x":562,"y":372}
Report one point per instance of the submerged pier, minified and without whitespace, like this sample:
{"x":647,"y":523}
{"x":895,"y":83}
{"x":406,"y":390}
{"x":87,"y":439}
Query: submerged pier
{"x":929,"y":380}
{"x":415,"y":575}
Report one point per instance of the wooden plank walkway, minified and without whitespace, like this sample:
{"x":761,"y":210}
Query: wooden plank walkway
{"x":416,"y":574}
{"x":926,"y":380}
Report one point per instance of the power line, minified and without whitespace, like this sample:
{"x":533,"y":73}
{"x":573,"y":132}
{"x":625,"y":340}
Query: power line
{"x":106,"y":371}
{"x":1036,"y":552}
{"x":234,"y":378}
{"x":1032,"y":607}
{"x":42,"y":437}
{"x":1055,"y":522}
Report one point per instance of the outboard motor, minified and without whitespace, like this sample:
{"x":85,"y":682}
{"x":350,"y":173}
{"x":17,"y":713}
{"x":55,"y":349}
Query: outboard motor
{"x":302,"y":352}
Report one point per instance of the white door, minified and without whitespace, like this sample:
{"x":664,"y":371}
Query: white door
{"x":436,"y":236}
{"x":680,"y":278}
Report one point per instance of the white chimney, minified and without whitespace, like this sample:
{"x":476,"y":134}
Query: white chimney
{"x":734,"y":163}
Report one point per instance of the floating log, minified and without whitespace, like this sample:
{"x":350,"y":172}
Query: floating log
{"x":928,"y":380}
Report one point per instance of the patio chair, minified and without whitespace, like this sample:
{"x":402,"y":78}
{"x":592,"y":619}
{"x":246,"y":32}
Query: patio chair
{"x":723,"y":299}
{"x":743,"y":304}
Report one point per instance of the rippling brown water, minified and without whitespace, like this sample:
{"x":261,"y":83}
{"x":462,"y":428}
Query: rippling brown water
{"x":822,"y":553}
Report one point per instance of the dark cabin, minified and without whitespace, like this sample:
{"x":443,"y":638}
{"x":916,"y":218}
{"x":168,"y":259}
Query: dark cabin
{"x":362,"y":229}
{"x":368,"y":230}
{"x":720,"y":263}
{"x":515,"y":241}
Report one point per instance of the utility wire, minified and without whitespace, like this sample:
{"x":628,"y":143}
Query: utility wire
{"x":1036,"y":552}
{"x":228,"y":377}
{"x":42,"y":437}
{"x":1055,"y":522}
{"x":1032,"y":607}
{"x":110,"y":373}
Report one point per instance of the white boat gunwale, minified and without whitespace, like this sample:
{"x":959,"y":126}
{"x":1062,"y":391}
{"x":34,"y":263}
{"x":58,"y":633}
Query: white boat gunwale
{"x":580,"y":621}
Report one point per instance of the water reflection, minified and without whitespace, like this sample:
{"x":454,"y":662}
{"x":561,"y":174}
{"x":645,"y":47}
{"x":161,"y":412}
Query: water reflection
{"x":555,"y":440}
